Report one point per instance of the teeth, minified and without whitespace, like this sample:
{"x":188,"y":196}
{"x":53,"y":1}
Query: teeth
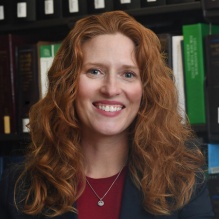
{"x":109,"y":108}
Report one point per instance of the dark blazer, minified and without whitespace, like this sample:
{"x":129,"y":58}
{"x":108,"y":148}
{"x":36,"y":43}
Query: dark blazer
{"x":198,"y":208}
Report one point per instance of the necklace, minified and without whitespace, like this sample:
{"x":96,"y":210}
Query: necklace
{"x":101,"y":202}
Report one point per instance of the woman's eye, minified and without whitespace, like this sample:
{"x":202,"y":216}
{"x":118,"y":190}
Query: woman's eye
{"x":129,"y":74}
{"x":94,"y":71}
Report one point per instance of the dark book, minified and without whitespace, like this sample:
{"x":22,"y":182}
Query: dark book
{"x":212,"y":59}
{"x":1,"y":166}
{"x":50,"y":9}
{"x":211,"y":45}
{"x":27,"y":71}
{"x":100,"y":6}
{"x":25,"y":10}
{"x":210,"y":4}
{"x":212,"y":112}
{"x":127,"y":4}
{"x":6,"y":17}
{"x":8,"y":81}
{"x":74,"y":7}
{"x":149,"y":3}
{"x":166,"y":46}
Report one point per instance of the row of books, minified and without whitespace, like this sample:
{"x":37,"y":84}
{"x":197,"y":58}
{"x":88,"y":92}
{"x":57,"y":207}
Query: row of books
{"x":12,"y":11}
{"x":24,"y":62}
{"x":194,"y":58}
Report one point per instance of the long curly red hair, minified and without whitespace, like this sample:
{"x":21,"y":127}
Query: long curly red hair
{"x":162,"y":166}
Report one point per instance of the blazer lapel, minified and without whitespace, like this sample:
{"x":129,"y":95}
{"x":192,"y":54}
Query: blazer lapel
{"x":132,"y":202}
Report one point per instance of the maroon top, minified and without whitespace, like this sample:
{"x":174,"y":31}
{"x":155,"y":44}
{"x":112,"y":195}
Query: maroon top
{"x":87,"y":204}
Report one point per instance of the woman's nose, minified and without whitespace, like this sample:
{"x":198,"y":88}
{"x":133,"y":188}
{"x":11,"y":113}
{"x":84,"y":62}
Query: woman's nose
{"x":111,"y":86}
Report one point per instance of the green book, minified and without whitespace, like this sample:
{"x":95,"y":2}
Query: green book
{"x":194,"y":68}
{"x":47,"y":52}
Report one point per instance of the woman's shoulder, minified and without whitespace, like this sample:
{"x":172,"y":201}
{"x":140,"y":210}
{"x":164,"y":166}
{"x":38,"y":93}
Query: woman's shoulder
{"x":199,"y":205}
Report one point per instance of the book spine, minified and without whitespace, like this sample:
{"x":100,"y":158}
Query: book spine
{"x":213,"y":158}
{"x":212,"y":85}
{"x":47,"y":53}
{"x":50,"y":9}
{"x":27,"y":67}
{"x":194,"y":71}
{"x":8,"y":122}
{"x":178,"y":73}
{"x":194,"y":67}
{"x":74,"y":7}
{"x":166,"y":47}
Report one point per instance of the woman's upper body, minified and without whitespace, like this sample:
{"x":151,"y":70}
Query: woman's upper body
{"x":199,"y":206}
{"x":111,"y":102}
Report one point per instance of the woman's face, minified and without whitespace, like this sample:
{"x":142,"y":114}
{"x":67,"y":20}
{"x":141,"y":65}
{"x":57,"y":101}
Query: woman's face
{"x":110,"y":87}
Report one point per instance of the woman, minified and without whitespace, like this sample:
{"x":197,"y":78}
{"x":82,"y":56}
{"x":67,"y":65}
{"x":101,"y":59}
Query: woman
{"x":107,"y":140}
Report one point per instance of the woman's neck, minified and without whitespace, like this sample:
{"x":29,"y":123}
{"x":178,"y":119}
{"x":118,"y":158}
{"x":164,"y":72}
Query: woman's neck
{"x":104,"y":157}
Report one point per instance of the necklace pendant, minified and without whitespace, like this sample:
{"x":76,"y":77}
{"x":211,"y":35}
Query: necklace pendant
{"x":100,"y":203}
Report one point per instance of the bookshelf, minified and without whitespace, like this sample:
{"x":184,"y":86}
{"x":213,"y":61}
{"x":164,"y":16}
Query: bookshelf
{"x":186,"y":13}
{"x":165,"y":18}
{"x":161,"y":19}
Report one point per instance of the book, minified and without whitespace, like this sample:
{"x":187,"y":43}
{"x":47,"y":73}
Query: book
{"x":25,"y":10}
{"x":6,"y":16}
{"x":50,"y":9}
{"x":212,"y":112}
{"x":1,"y":166}
{"x":211,"y":45}
{"x":166,"y":47}
{"x":213,"y":158}
{"x":100,"y":6}
{"x":210,"y":4}
{"x":46,"y":54}
{"x":127,"y":4}
{"x":194,"y":68}
{"x":74,"y":7}
{"x":8,"y":81}
{"x":27,"y":70}
{"x":178,"y":72}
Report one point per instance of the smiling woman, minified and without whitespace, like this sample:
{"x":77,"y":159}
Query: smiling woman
{"x":111,"y":75}
{"x":107,"y":139}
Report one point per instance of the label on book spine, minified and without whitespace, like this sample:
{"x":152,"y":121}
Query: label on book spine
{"x":21,"y":9}
{"x":218,"y":115}
{"x":7,"y":127}
{"x":73,"y":6}
{"x":49,"y":6}
{"x":125,"y":1}
{"x":98,"y":4}
{"x":25,"y":121}
{"x":2,"y":14}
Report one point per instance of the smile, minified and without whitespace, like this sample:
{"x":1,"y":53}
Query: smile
{"x":109,"y":108}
